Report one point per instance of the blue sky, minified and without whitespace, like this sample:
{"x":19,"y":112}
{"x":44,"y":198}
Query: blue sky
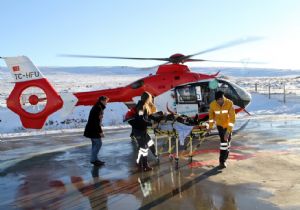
{"x":156,"y":28}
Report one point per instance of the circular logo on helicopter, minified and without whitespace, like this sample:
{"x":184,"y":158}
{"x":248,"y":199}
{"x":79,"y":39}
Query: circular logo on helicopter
{"x":33,"y":100}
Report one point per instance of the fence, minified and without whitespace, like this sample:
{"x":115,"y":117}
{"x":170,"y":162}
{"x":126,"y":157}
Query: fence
{"x":283,"y":92}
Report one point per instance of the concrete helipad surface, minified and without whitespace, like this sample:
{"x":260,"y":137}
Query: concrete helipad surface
{"x":53,"y":172}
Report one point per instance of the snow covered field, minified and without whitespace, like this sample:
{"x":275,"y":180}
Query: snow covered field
{"x":76,"y":79}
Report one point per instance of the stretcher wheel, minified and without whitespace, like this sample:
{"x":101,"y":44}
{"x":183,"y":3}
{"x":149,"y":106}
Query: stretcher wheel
{"x":176,"y":163}
{"x":157,"y":160}
{"x":191,"y":159}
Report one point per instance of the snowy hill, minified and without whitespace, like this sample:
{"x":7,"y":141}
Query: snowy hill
{"x":76,"y":79}
{"x":250,"y":72}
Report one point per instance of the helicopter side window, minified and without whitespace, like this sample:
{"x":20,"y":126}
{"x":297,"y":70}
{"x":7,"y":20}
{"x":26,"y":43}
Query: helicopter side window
{"x":203,"y":94}
{"x":137,"y":84}
{"x":186,"y":95}
{"x":198,"y":93}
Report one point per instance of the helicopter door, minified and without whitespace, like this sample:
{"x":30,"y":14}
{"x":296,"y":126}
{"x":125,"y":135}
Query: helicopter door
{"x":205,"y":99}
{"x":187,"y":99}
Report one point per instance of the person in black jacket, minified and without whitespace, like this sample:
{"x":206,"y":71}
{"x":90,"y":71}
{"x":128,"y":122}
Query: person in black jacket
{"x":139,"y":123}
{"x":93,"y":129}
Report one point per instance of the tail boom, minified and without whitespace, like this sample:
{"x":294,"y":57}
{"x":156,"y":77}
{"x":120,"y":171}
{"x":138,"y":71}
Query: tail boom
{"x":121,"y":94}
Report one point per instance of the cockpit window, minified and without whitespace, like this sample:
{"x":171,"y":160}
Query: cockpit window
{"x":244,"y":95}
{"x":234,"y":91}
{"x":137,"y":84}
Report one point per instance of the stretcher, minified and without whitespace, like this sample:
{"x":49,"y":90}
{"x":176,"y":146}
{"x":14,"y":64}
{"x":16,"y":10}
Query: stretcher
{"x":178,"y":128}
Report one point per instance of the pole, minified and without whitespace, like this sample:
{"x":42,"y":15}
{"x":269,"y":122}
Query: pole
{"x":170,"y":145}
{"x":156,"y":149}
{"x":191,"y":149}
{"x":269,"y":90}
{"x":284,"y":96}
{"x":177,"y":156}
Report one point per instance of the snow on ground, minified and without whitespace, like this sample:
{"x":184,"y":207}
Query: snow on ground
{"x":262,"y":105}
{"x":77,"y":79}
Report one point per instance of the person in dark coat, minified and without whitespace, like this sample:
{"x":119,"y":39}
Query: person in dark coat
{"x":93,"y":129}
{"x":139,"y":123}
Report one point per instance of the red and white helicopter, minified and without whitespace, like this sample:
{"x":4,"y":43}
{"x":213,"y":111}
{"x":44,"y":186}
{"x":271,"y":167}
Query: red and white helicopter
{"x":174,"y":87}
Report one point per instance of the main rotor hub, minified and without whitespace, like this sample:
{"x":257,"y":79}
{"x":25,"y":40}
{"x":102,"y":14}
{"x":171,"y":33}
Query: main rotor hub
{"x":177,"y":58}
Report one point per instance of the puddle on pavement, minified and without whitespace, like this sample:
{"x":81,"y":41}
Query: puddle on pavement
{"x":66,"y":179}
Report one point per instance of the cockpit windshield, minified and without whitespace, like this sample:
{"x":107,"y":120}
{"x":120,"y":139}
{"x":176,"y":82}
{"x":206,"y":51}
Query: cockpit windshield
{"x":242,"y":93}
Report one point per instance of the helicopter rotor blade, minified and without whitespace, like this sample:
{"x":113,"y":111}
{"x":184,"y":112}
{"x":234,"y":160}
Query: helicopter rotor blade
{"x":226,"y":45}
{"x":112,"y":57}
{"x":178,"y":58}
{"x":217,"y":61}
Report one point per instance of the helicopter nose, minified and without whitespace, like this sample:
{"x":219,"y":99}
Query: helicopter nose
{"x":245,"y":103}
{"x":245,"y":97}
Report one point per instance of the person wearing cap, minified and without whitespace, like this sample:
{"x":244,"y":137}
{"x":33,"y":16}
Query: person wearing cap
{"x":93,"y":129}
{"x":222,"y":113}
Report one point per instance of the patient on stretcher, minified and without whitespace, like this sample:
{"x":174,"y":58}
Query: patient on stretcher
{"x":160,"y":117}
{"x":182,"y":125}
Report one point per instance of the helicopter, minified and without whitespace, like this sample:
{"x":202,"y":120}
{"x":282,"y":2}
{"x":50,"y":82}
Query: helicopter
{"x":175,"y":87}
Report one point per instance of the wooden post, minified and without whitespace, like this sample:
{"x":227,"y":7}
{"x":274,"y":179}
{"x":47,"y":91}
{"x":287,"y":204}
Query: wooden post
{"x":284,"y":96}
{"x":269,"y":90}
{"x":256,"y":87}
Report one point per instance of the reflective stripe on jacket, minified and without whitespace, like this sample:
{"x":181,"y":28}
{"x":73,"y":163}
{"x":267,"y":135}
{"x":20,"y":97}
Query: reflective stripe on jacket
{"x":222,"y":115}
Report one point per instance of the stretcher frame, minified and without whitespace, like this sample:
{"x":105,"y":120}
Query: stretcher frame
{"x":198,"y":131}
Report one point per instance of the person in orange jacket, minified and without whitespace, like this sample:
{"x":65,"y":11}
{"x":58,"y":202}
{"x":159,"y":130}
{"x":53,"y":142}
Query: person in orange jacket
{"x":221,"y":113}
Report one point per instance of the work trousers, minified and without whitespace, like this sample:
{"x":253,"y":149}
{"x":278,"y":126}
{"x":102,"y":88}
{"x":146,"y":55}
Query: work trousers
{"x":145,"y":142}
{"x":224,"y":145}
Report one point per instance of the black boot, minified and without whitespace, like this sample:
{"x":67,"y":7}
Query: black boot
{"x":222,"y":165}
{"x":139,"y":165}
{"x":146,"y":166}
{"x":223,"y":158}
{"x":100,"y":162}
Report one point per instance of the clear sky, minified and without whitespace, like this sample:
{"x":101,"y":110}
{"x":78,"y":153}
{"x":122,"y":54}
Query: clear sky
{"x":41,"y":29}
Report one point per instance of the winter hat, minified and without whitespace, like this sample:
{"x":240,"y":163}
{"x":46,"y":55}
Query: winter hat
{"x":219,"y":94}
